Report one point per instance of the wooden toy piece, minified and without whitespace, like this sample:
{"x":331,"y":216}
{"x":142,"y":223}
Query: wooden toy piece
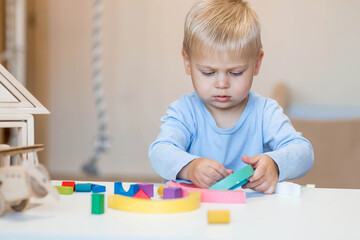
{"x":172,"y":192}
{"x":15,"y":98}
{"x":218,"y":216}
{"x":118,"y":189}
{"x":161,"y":190}
{"x":141,"y":194}
{"x":65,"y":190}
{"x":148,"y":188}
{"x":20,"y":182}
{"x":234,"y":180}
{"x":97,"y":203}
{"x":98,"y":188}
{"x":69,"y":184}
{"x":83,"y":187}
{"x":212,"y":196}
{"x":17,"y":106}
{"x":189,"y":203}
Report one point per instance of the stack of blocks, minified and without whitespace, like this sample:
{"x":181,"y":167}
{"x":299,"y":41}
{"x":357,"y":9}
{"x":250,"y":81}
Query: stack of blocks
{"x":97,"y":199}
{"x":146,"y":191}
{"x":68,"y":187}
{"x":141,"y":190}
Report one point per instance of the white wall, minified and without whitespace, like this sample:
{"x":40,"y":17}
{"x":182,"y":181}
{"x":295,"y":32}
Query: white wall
{"x":310,"y":45}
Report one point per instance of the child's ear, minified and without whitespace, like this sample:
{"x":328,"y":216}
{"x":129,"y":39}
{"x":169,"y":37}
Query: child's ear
{"x":186,"y":62}
{"x":258,"y":63}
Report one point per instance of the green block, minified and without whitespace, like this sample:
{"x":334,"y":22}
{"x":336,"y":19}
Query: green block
{"x":65,"y":190}
{"x":97,"y":203}
{"x":235,"y":180}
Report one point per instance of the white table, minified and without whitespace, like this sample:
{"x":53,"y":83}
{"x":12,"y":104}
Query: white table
{"x":318,"y":214}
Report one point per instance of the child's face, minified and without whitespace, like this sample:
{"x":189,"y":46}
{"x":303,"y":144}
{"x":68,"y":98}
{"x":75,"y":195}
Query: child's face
{"x":222,"y":80}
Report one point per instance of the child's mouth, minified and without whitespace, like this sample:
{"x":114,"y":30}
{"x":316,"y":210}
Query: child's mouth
{"x":222,"y":98}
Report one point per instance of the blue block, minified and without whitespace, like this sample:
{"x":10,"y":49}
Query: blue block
{"x":83,"y":187}
{"x":98,"y":188}
{"x":118,"y":189}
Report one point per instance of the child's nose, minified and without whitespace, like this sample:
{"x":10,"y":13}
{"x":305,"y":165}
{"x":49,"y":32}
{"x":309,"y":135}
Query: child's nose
{"x":222,"y":82}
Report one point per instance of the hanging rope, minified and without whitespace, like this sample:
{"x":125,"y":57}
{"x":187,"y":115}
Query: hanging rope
{"x":102,"y":141}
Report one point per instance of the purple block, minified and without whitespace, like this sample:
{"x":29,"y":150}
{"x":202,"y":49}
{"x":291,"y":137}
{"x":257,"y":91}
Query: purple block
{"x":172,"y":192}
{"x":148,"y":188}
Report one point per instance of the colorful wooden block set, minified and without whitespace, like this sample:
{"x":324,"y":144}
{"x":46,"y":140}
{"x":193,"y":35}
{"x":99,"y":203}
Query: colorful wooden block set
{"x":176,"y":197}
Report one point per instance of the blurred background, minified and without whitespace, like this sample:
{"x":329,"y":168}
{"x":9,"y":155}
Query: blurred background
{"x":311,"y":66}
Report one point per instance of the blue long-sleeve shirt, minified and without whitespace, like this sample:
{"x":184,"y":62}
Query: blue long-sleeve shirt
{"x":189,"y":131}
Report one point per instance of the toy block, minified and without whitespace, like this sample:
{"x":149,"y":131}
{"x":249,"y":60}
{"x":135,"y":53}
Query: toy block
{"x":68,"y":184}
{"x":65,"y":190}
{"x":98,"y":188}
{"x":97,"y":203}
{"x":138,"y":205}
{"x":141,"y":194}
{"x":148,"y":188}
{"x":211,"y":196}
{"x":172,"y":192}
{"x":218,"y":216}
{"x":83,"y":187}
{"x":234,"y":180}
{"x":118,"y":189}
{"x":161,"y":191}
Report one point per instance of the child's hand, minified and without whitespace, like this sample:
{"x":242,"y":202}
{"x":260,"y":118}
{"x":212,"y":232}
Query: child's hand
{"x":266,"y":173}
{"x":204,"y":172}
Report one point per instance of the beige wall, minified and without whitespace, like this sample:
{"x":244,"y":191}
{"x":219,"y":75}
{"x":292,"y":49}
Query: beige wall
{"x":2,"y":47}
{"x":310,"y":45}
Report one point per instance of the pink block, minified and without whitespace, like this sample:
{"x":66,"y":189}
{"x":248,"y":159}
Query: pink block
{"x":211,"y":196}
{"x":148,"y":188}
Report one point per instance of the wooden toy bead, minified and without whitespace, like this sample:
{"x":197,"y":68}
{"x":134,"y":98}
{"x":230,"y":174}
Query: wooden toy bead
{"x":97,"y":203}
{"x":218,"y":216}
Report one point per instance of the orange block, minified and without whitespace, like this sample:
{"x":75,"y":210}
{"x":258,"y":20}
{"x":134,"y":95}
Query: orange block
{"x":141,"y":194}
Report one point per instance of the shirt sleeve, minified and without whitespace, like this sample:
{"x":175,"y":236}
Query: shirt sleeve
{"x":292,"y":153}
{"x":168,"y":153}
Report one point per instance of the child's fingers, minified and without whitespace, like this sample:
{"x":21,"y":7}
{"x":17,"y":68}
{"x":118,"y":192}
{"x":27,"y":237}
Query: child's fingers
{"x":266,"y":187}
{"x":258,"y":173}
{"x":220,"y":171}
{"x":254,"y":184}
{"x":229,"y":171}
{"x":250,"y":160}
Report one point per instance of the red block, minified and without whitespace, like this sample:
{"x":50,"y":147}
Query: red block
{"x":68,"y":184}
{"x":141,"y":194}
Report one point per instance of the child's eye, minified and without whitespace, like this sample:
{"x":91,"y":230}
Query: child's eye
{"x":208,"y":73}
{"x":236,"y":73}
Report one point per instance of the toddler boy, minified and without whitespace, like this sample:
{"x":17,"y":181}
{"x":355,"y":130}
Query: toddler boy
{"x":223,"y":126}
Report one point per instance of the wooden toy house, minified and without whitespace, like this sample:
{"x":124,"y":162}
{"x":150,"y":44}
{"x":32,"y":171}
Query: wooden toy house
{"x":17,"y":106}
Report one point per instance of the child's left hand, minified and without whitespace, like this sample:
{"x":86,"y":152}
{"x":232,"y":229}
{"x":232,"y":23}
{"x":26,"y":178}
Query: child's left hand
{"x":266,"y":174}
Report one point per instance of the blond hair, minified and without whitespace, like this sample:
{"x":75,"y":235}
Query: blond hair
{"x":222,"y":25}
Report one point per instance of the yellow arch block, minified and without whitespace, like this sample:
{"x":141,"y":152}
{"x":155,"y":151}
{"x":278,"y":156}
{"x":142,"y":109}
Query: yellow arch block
{"x":129,"y":204}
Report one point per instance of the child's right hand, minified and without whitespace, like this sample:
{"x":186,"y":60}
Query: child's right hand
{"x":204,"y":172}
